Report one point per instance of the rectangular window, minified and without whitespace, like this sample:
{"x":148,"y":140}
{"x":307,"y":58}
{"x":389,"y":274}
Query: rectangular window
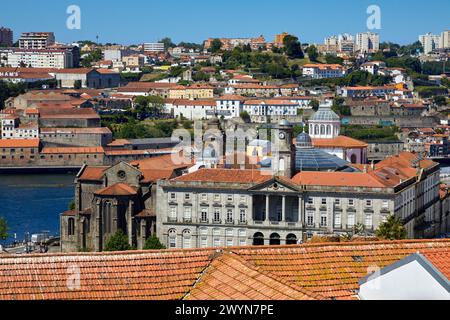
{"x":230,"y":198}
{"x":187,"y":213}
{"x":323,"y":220}
{"x":217,"y":197}
{"x":243,"y":199}
{"x":337,"y":220}
{"x":324,"y":201}
{"x":310,"y":219}
{"x":337,"y":202}
{"x":385,"y":204}
{"x":351,"y":220}
{"x":173,"y":213}
{"x":242,"y":216}
{"x":187,"y":196}
{"x":216,"y":242}
{"x":369,"y":221}
{"x":172,"y":242}
{"x":172,"y":196}
{"x":230,"y":216}
{"x":216,"y":215}
{"x":229,"y":242}
{"x":204,"y":197}
{"x":351,"y":202}
{"x":369,"y":203}
{"x":204,"y":242}
{"x":204,"y":216}
{"x":310,"y":200}
{"x":242,"y":242}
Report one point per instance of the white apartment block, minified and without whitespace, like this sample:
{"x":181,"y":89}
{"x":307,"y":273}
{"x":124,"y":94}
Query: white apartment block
{"x":430,"y":42}
{"x":321,"y":71}
{"x":37,"y":58}
{"x":36,"y":40}
{"x":11,"y":129}
{"x":154,"y":47}
{"x":368,"y":42}
{"x":445,"y":40}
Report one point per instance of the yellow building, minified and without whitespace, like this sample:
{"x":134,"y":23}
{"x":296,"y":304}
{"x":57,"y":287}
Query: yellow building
{"x":279,"y":39}
{"x":195,"y":91}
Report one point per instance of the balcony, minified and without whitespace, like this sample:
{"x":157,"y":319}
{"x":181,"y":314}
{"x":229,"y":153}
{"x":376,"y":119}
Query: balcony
{"x":187,"y":220}
{"x":172,"y":220}
{"x":229,"y":222}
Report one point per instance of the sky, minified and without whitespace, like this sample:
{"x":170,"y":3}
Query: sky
{"x":138,"y":21}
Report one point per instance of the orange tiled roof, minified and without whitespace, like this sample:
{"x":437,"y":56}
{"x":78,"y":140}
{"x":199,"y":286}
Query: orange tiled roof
{"x":337,"y":179}
{"x":19,"y":143}
{"x":225,"y":176}
{"x":339,"y":142}
{"x":118,"y":189}
{"x":333,"y":270}
{"x":313,"y":271}
{"x":231,"y":277}
{"x":72,"y":150}
{"x":406,"y":160}
{"x":440,"y":259}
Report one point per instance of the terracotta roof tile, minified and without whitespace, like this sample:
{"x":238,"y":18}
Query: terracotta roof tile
{"x":440,"y":259}
{"x":339,"y":142}
{"x":19,"y":143}
{"x":118,"y":189}
{"x":225,"y":176}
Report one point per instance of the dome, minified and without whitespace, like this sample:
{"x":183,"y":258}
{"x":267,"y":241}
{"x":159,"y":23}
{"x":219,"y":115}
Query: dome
{"x":284,"y":123}
{"x":303,"y":140}
{"x":325,"y":114}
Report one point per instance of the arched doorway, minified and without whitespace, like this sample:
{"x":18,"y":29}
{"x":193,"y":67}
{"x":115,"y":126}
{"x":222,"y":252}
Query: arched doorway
{"x":258,"y":239}
{"x":354,"y":159}
{"x":291,"y":239}
{"x":275,"y":239}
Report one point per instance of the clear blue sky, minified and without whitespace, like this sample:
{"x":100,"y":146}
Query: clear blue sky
{"x":137,"y":21}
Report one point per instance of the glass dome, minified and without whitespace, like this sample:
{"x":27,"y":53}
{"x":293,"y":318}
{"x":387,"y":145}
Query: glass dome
{"x":304,"y":140}
{"x":325,"y":114}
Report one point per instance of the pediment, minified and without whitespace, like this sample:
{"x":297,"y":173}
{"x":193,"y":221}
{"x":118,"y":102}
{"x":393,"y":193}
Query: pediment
{"x":276,"y":185}
{"x":123,"y":172}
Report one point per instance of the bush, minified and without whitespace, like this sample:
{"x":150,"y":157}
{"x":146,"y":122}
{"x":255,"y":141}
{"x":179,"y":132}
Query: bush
{"x":153,"y":243}
{"x":118,"y":242}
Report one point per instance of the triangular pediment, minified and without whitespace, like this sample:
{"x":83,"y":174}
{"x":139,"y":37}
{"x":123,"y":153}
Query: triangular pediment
{"x":276,"y":185}
{"x":123,"y":172}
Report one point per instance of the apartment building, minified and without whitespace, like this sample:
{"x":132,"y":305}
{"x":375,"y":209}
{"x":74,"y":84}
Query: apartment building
{"x":445,"y":40}
{"x":154,"y":47}
{"x":6,"y":37}
{"x":368,"y":42}
{"x":36,"y":40}
{"x":37,"y":58}
{"x":430,"y":42}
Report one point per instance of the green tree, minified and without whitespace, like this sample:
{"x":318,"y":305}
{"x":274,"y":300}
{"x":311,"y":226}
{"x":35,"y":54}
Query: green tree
{"x":216,"y":45}
{"x":245,"y":117}
{"x":293,"y":47}
{"x":3,"y":229}
{"x":118,"y":242}
{"x":77,"y":84}
{"x":167,"y":43}
{"x":440,"y":100}
{"x":314,"y":104}
{"x":312,"y":52}
{"x":332,"y":59}
{"x":392,"y":229}
{"x":71,"y":205}
{"x":153,"y":243}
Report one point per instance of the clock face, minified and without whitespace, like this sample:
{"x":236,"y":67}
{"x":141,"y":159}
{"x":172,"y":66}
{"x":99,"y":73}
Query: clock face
{"x":282,"y":135}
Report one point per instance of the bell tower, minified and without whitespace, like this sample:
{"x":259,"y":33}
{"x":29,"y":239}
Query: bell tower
{"x":282,"y":149}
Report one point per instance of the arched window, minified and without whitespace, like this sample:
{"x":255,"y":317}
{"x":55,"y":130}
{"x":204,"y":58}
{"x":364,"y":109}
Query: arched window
{"x":172,"y":238}
{"x":187,"y":239}
{"x":328,"y":130}
{"x":291,"y":239}
{"x":71,"y":227}
{"x":316,"y":129}
{"x":275,"y":239}
{"x":353,"y":159}
{"x":258,"y":239}
{"x":322,"y":130}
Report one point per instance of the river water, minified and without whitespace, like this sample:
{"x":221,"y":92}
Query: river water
{"x":33,"y":202}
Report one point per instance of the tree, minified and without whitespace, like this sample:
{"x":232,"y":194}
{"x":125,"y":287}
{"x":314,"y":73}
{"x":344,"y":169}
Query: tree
{"x":245,"y":117}
{"x":293,"y":47}
{"x":314,"y":104}
{"x":312,"y":52}
{"x":331,"y":59}
{"x":118,"y":242}
{"x":71,"y":205}
{"x":77,"y":84}
{"x":153,"y":243}
{"x":167,"y":43}
{"x":3,"y":229}
{"x":440,"y":101}
{"x":392,"y":229}
{"x":216,"y":45}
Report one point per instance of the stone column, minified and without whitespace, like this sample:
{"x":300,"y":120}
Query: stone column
{"x":283,"y":209}
{"x":98,"y":245}
{"x":130,"y":222}
{"x":266,"y":218}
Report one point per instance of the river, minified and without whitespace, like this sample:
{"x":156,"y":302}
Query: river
{"x":33,"y":202}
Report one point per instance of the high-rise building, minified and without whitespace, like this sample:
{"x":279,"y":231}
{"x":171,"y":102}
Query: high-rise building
{"x":36,"y":40}
{"x":368,"y":42}
{"x":445,"y":40}
{"x":6,"y":37}
{"x":429,"y":42}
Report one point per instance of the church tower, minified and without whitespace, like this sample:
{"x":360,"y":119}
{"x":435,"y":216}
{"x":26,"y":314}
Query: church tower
{"x":282,"y":151}
{"x":325,"y":123}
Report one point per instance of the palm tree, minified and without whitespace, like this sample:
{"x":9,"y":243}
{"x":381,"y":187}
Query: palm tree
{"x":392,"y":229}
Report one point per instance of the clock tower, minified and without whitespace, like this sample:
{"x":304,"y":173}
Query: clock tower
{"x":282,"y":149}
